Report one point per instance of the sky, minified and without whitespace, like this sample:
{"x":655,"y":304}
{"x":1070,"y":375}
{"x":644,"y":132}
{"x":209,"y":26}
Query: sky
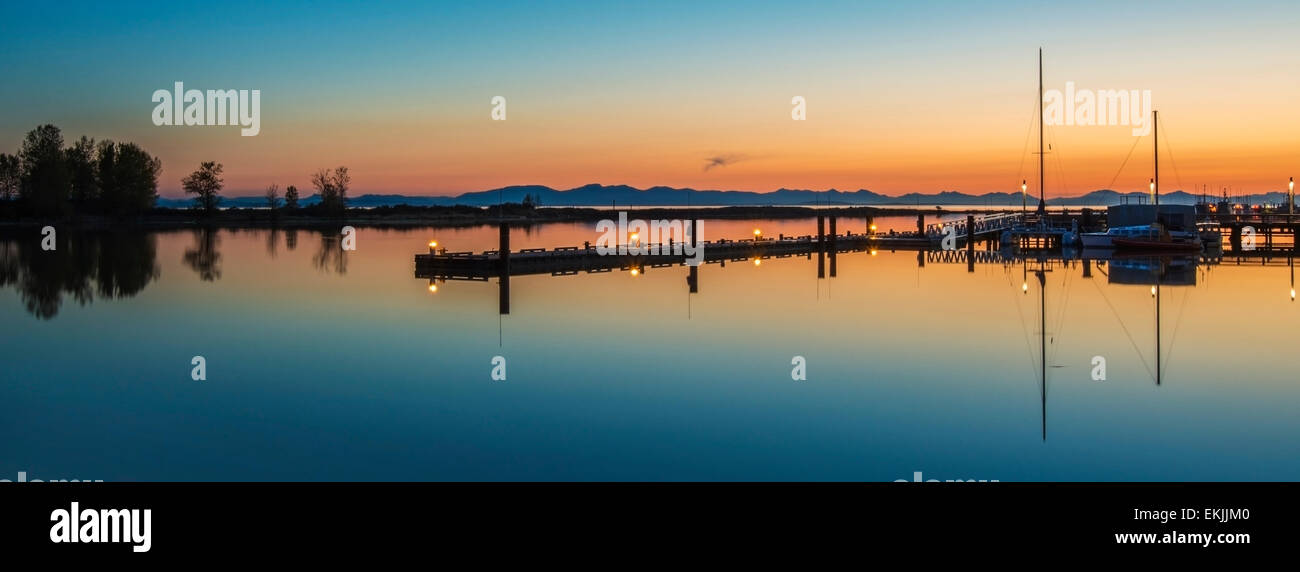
{"x":900,"y":97}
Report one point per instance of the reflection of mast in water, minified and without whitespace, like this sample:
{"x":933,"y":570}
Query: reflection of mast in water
{"x":1040,"y":273}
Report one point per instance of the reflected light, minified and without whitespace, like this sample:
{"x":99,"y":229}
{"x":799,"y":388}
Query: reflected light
{"x":433,"y":288}
{"x":635,"y":272}
{"x":1153,"y":290}
{"x":757,"y":262}
{"x":1024,"y":287}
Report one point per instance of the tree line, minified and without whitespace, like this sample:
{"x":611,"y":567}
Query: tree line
{"x":47,"y":178}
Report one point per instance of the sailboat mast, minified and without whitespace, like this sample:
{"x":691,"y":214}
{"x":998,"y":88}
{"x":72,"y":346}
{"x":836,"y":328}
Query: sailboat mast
{"x":1162,"y":268}
{"x":1155,"y":130}
{"x":1042,"y":207}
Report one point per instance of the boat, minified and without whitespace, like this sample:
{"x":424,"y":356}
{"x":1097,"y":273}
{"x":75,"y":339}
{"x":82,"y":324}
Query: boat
{"x":1106,"y":239}
{"x":1157,"y":245}
{"x":1156,"y":238}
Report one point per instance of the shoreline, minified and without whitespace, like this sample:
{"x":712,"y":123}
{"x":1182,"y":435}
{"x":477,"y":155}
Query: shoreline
{"x":165,"y":218}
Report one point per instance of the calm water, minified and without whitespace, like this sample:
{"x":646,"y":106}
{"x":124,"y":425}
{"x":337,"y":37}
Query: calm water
{"x":332,"y":365}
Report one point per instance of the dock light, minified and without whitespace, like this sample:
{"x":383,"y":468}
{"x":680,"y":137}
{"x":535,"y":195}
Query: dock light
{"x":1153,"y":189}
{"x":433,"y":247}
{"x":758,"y":234}
{"x":1024,"y":194}
{"x":873,"y":228}
{"x":1290,"y":205}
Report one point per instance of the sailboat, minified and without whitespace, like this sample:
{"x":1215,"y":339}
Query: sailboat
{"x":1156,"y":237}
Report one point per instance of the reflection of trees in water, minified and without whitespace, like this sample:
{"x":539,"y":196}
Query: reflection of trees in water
{"x":331,"y":256}
{"x":272,"y":236}
{"x":291,"y":238}
{"x":117,"y":264}
{"x":204,"y":258}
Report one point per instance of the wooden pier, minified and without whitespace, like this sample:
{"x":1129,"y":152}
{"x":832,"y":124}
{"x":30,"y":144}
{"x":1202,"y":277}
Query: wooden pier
{"x":439,"y":263}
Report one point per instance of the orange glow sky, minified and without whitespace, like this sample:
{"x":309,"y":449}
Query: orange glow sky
{"x":900,"y":99}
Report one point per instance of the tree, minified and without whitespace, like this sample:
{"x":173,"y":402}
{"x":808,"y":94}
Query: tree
{"x":135,"y":178}
{"x":82,"y":170}
{"x":205,"y":183}
{"x":45,"y":181}
{"x":273,"y":196}
{"x":333,"y":188}
{"x":106,"y":173}
{"x":291,"y":197}
{"x":11,"y":176}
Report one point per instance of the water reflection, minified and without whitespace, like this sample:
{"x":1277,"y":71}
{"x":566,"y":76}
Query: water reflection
{"x":331,"y":257}
{"x":203,"y":257}
{"x":951,"y":360}
{"x":83,"y":266}
{"x":1159,"y":272}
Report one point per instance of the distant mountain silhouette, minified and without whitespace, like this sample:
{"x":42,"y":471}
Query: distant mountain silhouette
{"x":623,"y":195}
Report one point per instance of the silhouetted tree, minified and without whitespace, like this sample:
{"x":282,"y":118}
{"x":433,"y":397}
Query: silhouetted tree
{"x":129,"y":184}
{"x":11,"y":176}
{"x":205,"y":184}
{"x":45,"y":179}
{"x":291,"y":197}
{"x":82,"y":169}
{"x":333,"y":188}
{"x":273,"y":196}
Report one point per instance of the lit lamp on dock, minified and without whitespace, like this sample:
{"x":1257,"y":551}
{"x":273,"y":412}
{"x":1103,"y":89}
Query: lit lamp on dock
{"x":758,"y":235}
{"x":1024,"y":196}
{"x":634,"y":239}
{"x":1153,"y":191}
{"x":1290,"y":205}
{"x":433,"y":247}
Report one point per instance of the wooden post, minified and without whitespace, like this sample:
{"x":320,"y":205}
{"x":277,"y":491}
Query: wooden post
{"x":970,"y":243}
{"x":833,"y":247}
{"x":503,"y":267}
{"x":821,"y":246}
{"x":694,"y":279}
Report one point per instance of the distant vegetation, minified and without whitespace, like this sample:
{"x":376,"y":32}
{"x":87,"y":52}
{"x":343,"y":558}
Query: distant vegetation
{"x":47,"y":178}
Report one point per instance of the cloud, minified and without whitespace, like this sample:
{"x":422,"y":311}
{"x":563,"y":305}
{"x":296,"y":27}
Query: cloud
{"x":722,"y":161}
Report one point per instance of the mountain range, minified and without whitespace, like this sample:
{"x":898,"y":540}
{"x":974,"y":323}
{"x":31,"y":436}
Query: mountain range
{"x":595,"y":195}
